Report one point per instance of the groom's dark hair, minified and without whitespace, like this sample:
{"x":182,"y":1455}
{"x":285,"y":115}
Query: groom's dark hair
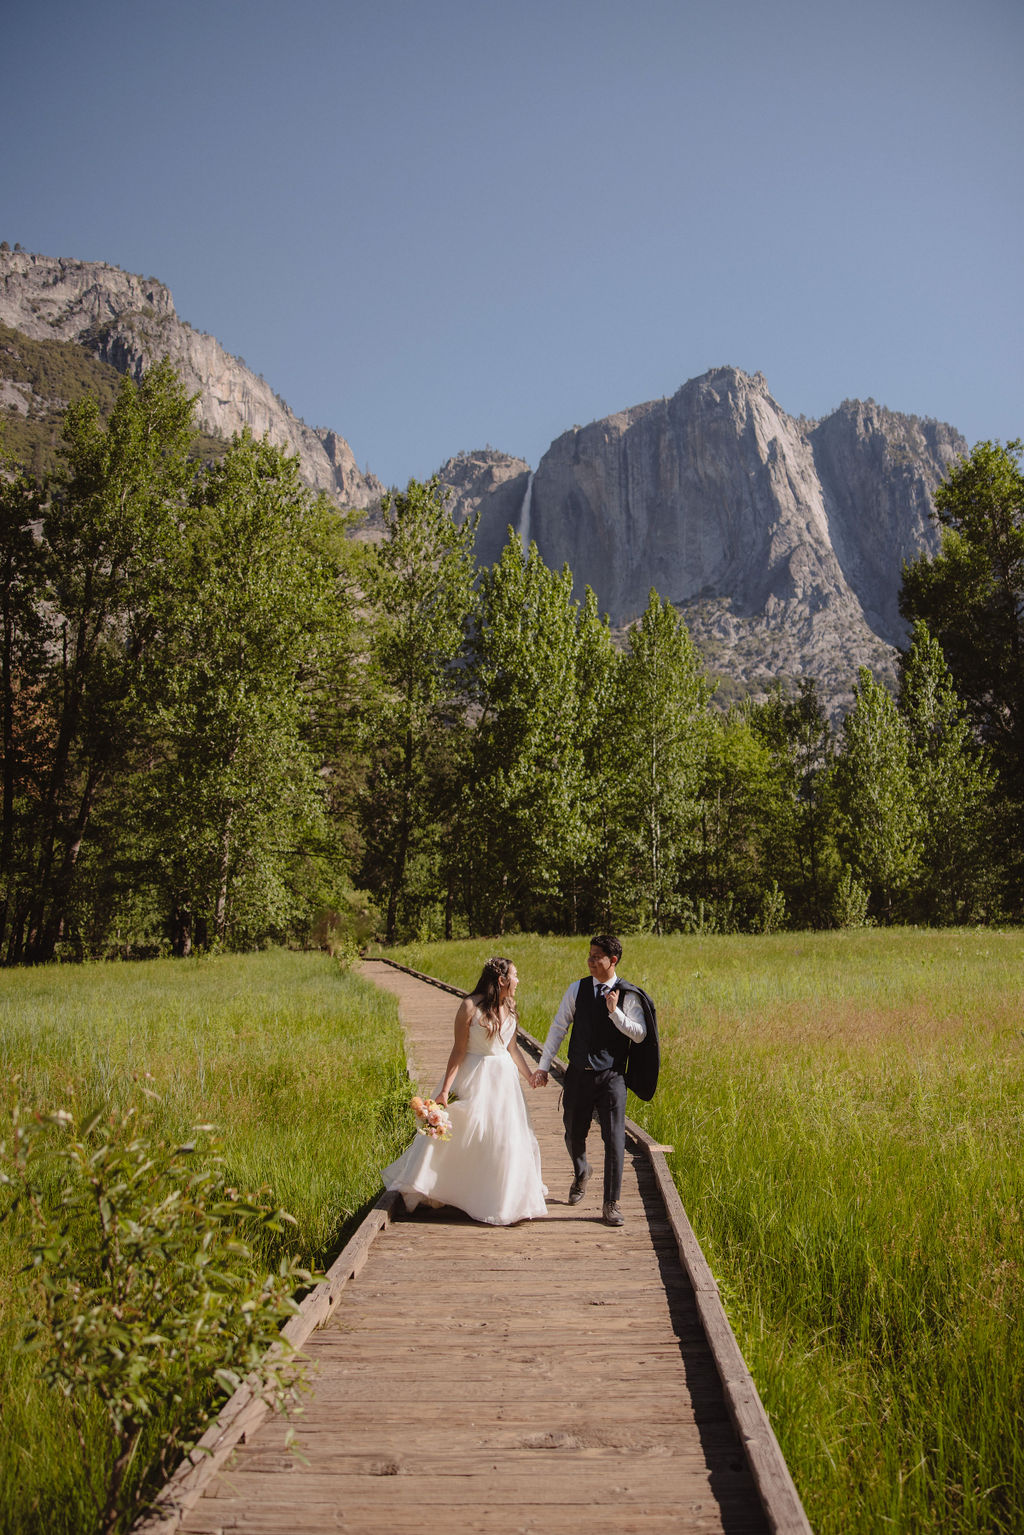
{"x":608,"y":944}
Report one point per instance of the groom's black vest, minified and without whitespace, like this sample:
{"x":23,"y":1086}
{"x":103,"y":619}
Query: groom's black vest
{"x":595,"y":1041}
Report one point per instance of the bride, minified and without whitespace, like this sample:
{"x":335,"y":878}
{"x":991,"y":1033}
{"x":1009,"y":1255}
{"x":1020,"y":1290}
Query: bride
{"x":490,"y":1167}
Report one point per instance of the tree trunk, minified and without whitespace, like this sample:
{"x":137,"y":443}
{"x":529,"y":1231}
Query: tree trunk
{"x":181,"y":929}
{"x":41,"y":918}
{"x":221,"y":908}
{"x":404,"y":838}
{"x":15,"y":943}
{"x":43,"y":942}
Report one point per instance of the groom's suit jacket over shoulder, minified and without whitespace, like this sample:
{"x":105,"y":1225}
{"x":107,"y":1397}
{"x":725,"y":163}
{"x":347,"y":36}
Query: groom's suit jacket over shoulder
{"x":644,"y":1061}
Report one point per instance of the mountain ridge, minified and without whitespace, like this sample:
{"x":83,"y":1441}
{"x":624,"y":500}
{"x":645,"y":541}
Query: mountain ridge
{"x":129,"y":322}
{"x":780,"y":539}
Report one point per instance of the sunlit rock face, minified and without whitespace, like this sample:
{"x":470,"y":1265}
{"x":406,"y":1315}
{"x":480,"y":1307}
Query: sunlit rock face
{"x":491,"y":486}
{"x":130,"y":321}
{"x":781,"y":540}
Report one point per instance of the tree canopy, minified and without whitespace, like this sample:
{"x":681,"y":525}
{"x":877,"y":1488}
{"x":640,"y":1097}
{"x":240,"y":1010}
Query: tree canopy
{"x":971,"y":596}
{"x":224,"y":721}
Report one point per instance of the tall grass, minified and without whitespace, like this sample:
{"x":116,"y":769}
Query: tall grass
{"x":846,"y":1111}
{"x":300,"y":1067}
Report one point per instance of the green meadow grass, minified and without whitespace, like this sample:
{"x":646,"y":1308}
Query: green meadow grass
{"x":847,"y":1112}
{"x":299,"y":1065}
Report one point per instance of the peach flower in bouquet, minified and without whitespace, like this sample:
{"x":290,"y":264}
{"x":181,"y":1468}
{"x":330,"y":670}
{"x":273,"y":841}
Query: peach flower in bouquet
{"x":431,"y":1119}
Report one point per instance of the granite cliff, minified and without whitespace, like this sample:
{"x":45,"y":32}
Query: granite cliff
{"x":780,"y":539}
{"x":130,"y":321}
{"x":491,"y":485}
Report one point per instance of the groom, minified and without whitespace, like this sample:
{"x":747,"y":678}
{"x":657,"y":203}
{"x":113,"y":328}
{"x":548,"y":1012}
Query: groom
{"x":605,"y":1020}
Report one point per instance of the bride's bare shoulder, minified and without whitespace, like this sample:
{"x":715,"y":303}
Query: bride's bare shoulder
{"x":469,"y":1008}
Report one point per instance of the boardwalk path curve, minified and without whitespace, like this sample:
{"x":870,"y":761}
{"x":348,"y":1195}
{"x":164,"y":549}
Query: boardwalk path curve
{"x":554,"y":1376}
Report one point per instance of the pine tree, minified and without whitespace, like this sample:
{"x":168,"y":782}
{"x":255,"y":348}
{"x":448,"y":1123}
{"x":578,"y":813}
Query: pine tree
{"x":971,"y":595}
{"x":880,"y":823}
{"x":739,"y":807}
{"x":953,"y":781}
{"x":660,"y":733}
{"x":111,"y":529}
{"x":590,"y":881}
{"x":536,"y":666}
{"x":800,"y":836}
{"x":419,"y":587}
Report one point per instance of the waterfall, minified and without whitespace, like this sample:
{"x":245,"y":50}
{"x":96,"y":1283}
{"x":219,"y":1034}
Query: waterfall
{"x":524,"y":515}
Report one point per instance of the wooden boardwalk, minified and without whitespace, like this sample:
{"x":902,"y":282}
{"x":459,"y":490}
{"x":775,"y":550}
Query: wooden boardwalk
{"x":554,"y":1376}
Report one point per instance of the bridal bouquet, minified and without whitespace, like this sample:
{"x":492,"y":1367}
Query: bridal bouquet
{"x":431,"y":1119}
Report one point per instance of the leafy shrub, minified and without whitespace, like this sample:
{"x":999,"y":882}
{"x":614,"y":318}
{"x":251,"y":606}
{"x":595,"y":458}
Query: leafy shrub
{"x":773,"y":910}
{"x":143,"y":1291}
{"x":850,"y":902}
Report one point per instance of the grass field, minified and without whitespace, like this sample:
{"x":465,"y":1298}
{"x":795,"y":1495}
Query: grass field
{"x":848,"y":1116}
{"x":300,"y":1066}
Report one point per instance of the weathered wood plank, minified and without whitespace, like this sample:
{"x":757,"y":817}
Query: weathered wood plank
{"x":650,"y":1518}
{"x":626,"y":1480}
{"x":586,"y":1430}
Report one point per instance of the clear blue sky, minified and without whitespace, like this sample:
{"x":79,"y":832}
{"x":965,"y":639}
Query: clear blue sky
{"x":436,"y":224}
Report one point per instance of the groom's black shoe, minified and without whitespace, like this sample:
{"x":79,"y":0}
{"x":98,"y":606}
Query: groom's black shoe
{"x":578,"y":1186}
{"x":611,"y":1214}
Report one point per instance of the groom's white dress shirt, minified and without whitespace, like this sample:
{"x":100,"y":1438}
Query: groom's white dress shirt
{"x":628,"y":1018}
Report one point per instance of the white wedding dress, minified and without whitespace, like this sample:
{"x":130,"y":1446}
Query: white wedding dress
{"x":491,"y":1165}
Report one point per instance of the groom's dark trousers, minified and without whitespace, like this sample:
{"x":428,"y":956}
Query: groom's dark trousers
{"x":595,"y":1078}
{"x":584,"y":1090}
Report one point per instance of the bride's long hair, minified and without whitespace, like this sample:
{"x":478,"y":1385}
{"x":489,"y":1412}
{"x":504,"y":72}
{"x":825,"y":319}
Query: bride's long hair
{"x":488,"y":989}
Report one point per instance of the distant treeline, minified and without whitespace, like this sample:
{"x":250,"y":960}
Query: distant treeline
{"x":227,"y":722}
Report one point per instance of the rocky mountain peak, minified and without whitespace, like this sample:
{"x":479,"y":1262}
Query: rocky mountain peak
{"x":490,"y":484}
{"x":130,"y":322}
{"x":781,"y":540}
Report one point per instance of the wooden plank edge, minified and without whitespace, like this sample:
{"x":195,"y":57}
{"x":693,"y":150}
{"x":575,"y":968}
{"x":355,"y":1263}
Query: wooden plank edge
{"x":431,"y":980}
{"x":245,"y":1409}
{"x":772,"y":1478}
{"x":775,"y":1486}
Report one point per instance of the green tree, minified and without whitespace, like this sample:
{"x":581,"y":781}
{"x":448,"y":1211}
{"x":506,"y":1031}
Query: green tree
{"x":800,"y":835}
{"x":658,"y":721}
{"x":953,"y":781}
{"x":880,"y":824}
{"x":589,"y":884}
{"x":111,"y":528}
{"x":739,"y":806}
{"x":535,"y":663}
{"x":237,"y":800}
{"x":23,"y":659}
{"x":178,"y":658}
{"x":419,"y":586}
{"x":971,"y":595}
